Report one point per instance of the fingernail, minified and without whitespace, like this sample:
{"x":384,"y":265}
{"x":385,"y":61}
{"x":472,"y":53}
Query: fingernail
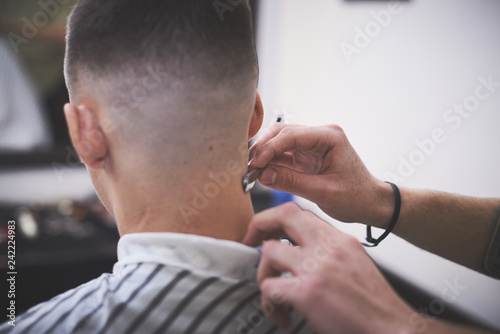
{"x":250,"y":161}
{"x":269,"y":176}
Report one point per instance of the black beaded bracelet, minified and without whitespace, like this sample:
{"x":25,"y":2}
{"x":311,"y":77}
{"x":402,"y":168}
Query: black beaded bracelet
{"x":397,"y":198}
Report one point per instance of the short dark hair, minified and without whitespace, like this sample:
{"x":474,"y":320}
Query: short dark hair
{"x":188,"y":38}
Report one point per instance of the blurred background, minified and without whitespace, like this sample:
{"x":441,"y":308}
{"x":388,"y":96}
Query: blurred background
{"x":415,"y":85}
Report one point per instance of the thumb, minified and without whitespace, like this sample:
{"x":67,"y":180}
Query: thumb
{"x":290,"y":181}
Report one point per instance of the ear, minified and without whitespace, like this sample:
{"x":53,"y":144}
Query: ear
{"x":86,"y":135}
{"x":257,"y":117}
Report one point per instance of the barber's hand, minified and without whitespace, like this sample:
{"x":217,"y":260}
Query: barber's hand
{"x":334,"y":283}
{"x":319,"y":163}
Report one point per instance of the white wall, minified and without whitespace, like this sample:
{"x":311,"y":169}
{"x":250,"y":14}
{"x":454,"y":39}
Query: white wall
{"x":394,"y":91}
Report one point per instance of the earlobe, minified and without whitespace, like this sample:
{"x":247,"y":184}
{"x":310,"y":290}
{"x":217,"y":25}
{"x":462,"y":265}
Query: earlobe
{"x":86,"y":135}
{"x":257,"y":117}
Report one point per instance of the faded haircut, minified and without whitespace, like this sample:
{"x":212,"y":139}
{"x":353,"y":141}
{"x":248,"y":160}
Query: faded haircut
{"x":122,"y":49}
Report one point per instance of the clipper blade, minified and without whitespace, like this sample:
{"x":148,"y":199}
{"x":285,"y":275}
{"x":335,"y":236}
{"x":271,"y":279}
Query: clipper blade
{"x":250,"y":178}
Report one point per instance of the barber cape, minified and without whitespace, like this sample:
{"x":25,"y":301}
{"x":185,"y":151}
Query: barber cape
{"x":164,"y":283}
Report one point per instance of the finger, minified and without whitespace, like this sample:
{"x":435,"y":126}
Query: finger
{"x":275,"y":223}
{"x":277,"y":258}
{"x":310,"y":186}
{"x":273,"y":130}
{"x":292,"y":138}
{"x":277,"y":294}
{"x":286,"y":160}
{"x":290,"y":160}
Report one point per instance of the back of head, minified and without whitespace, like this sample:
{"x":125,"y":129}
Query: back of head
{"x":169,"y":76}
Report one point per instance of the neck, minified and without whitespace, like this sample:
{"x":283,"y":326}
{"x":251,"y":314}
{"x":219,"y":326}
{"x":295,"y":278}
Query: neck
{"x":208,"y":207}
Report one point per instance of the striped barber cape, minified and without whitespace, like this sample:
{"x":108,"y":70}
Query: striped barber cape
{"x":163,"y":283}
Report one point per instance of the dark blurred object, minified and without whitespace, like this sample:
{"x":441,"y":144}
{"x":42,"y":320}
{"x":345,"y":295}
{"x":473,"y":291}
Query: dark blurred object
{"x":58,"y":156}
{"x":58,"y":247}
{"x":55,"y":102}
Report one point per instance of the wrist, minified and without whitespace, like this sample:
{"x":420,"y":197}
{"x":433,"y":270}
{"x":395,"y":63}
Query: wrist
{"x":384,"y":205}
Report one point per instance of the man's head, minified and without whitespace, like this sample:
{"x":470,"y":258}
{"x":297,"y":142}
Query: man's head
{"x":162,"y":92}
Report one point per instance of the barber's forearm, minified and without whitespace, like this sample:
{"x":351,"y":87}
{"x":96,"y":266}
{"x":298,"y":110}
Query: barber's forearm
{"x":456,"y":227}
